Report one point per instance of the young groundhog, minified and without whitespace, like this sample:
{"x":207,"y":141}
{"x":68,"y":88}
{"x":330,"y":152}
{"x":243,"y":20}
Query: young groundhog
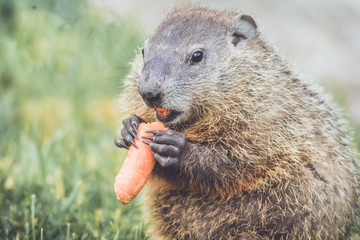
{"x":252,"y":150}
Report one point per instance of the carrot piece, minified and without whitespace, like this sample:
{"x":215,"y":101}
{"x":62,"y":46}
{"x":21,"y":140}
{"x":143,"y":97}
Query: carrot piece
{"x":137,"y":166}
{"x":163,"y":111}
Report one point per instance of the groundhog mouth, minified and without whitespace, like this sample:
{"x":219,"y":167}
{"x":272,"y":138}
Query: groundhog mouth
{"x":165,"y":114}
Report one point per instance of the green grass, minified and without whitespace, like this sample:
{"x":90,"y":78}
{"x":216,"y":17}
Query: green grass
{"x":61,"y":65}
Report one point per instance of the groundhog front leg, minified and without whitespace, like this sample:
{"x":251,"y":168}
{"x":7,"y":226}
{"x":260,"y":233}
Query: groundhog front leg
{"x":202,"y":167}
{"x":166,"y":145}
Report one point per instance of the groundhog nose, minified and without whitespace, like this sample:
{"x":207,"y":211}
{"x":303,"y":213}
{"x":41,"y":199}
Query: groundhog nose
{"x":152,"y":98}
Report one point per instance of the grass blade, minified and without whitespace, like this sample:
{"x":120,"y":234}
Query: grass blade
{"x":68,"y":231}
{"x":33,"y":198}
{"x":27,"y":230}
{"x":69,"y":200}
{"x":117,"y":235}
{"x":136,"y":233}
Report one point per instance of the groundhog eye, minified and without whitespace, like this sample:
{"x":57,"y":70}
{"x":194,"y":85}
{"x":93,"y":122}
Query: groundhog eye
{"x":197,"y":57}
{"x":142,"y":51}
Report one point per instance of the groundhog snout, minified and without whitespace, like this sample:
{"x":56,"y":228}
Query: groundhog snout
{"x":152,"y":97}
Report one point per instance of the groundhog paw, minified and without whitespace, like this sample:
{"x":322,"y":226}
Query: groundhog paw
{"x":129,"y":131}
{"x":167,"y":146}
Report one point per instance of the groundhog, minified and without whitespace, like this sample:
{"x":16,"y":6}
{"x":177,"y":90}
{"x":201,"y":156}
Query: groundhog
{"x":252,"y":152}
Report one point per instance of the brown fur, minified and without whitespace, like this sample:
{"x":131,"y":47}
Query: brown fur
{"x":269,"y":157}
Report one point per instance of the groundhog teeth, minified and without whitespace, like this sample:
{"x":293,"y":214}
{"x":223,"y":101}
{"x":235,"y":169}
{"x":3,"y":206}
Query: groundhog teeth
{"x":163,"y":112}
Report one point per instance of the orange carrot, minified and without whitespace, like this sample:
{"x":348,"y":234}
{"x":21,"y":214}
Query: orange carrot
{"x":137,"y":166}
{"x":163,"y":111}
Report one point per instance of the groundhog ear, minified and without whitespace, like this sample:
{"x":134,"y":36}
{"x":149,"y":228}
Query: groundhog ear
{"x":244,"y":28}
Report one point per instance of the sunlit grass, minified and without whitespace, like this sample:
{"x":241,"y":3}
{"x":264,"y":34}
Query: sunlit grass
{"x":59,"y":76}
{"x":57,"y":173}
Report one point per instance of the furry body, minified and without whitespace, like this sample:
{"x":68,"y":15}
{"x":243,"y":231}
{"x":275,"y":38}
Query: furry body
{"x":266,"y":157}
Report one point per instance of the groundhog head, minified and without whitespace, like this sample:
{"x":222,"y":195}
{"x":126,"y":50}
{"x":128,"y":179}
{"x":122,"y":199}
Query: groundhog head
{"x":187,"y":58}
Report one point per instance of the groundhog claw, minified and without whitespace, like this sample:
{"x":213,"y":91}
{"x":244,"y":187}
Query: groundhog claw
{"x":134,"y":132}
{"x":147,"y":137}
{"x":153,"y":132}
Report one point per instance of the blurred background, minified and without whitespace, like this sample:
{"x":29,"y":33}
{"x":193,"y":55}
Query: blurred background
{"x":61,"y":70}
